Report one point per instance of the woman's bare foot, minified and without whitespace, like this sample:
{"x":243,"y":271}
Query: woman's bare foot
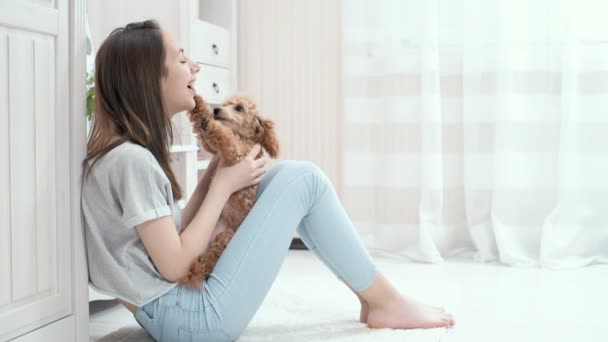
{"x":364,"y":312}
{"x":406,"y":313}
{"x":364,"y":306}
{"x":413,"y":309}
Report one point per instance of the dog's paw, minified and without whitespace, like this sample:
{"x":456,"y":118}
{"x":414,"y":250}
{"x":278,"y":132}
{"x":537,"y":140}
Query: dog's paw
{"x":200,"y":105}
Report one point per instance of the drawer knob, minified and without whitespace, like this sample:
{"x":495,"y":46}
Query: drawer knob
{"x":216,"y":50}
{"x":216,"y":88}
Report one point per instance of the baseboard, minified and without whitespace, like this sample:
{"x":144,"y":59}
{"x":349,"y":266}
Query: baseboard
{"x":296,"y":243}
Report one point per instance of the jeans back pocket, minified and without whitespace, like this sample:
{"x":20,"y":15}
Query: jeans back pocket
{"x":146,"y":317}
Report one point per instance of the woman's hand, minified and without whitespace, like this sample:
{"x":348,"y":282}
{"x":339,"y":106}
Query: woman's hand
{"x":247,"y":172}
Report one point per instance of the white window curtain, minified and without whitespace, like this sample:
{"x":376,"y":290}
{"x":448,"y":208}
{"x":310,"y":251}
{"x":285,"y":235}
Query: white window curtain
{"x":478,"y":128}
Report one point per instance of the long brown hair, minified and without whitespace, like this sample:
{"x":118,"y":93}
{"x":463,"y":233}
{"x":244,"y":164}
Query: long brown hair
{"x":128,"y":103}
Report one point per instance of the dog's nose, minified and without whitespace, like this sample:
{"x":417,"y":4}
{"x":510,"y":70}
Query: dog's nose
{"x":216,"y":111}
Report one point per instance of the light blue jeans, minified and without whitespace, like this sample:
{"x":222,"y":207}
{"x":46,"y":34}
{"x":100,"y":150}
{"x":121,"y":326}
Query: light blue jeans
{"x":292,"y":195}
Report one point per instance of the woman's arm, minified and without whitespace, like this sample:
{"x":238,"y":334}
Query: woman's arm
{"x":173,"y":253}
{"x":199,"y":193}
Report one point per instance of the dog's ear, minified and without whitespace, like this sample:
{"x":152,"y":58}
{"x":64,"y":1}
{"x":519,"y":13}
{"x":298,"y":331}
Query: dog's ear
{"x":266,"y":136}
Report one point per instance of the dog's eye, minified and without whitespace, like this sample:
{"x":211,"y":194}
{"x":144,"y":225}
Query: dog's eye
{"x":239,"y":109}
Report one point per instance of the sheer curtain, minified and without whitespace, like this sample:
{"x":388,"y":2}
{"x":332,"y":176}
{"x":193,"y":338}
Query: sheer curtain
{"x":478,"y":128}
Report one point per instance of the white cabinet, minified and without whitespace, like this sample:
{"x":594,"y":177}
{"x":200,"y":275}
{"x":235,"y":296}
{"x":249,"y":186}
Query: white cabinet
{"x":214,"y":84}
{"x":211,"y":44}
{"x":42,"y":140}
{"x":210,"y":32}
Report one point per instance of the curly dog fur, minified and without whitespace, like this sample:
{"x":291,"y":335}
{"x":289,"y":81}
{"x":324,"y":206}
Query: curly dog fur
{"x":230,"y":130}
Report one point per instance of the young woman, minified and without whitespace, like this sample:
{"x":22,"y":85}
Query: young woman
{"x":139,"y":242}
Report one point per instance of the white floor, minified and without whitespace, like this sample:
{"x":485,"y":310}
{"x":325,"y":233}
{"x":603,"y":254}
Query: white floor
{"x":490,"y":303}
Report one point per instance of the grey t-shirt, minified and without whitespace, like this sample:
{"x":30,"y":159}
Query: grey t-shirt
{"x":126,"y":187}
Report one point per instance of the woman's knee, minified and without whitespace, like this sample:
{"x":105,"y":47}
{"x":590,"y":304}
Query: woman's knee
{"x":300,"y":166}
{"x":288,"y":169}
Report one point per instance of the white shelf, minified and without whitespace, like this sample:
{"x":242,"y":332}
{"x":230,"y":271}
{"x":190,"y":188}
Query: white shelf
{"x":183,"y":148}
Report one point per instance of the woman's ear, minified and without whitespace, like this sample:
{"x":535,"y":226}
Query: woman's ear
{"x":266,"y":136}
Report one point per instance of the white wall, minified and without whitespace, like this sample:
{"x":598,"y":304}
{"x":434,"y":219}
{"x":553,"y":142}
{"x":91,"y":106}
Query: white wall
{"x":106,"y":15}
{"x":290,"y":61}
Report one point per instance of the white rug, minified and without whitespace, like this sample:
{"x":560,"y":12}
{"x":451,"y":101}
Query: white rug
{"x":490,"y":303}
{"x":301,"y":307}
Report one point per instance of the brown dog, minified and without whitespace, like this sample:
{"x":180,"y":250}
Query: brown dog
{"x":230,"y":130}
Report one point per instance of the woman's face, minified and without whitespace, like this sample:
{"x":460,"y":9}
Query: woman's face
{"x":177,"y":86}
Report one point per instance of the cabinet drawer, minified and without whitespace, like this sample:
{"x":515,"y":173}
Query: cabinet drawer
{"x":213,"y":83}
{"x":210,"y":44}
